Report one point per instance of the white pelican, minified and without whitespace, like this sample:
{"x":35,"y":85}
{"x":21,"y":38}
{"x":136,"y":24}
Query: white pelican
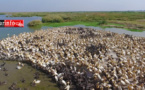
{"x":36,"y":81}
{"x":19,"y":67}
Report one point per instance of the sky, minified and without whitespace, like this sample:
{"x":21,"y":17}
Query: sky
{"x":70,"y":5}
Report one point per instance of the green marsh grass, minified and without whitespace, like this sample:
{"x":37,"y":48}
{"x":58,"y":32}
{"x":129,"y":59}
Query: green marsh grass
{"x":71,"y":24}
{"x":35,"y":23}
{"x":135,"y":19}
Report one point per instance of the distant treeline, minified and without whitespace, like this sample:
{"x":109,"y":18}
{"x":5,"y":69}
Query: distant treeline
{"x":2,"y":13}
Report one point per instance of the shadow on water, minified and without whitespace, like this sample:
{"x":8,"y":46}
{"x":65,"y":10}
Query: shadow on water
{"x":9,"y":75}
{"x":36,"y":27}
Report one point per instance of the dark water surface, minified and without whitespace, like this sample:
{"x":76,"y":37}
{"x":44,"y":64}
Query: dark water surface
{"x":27,"y":73}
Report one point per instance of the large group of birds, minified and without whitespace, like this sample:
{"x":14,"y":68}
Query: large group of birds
{"x":82,"y":58}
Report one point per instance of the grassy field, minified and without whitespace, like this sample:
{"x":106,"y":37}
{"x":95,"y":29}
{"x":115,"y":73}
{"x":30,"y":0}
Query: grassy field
{"x":129,"y":20}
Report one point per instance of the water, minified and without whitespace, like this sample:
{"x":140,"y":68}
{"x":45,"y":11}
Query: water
{"x":26,"y":73}
{"x":11,"y":31}
{"x":139,"y":33}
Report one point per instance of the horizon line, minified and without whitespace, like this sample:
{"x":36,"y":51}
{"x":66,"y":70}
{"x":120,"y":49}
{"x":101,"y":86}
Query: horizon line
{"x":81,"y":11}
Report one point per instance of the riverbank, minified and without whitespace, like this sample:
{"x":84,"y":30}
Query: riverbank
{"x":81,"y":58}
{"x":132,"y":27}
{"x":109,"y":24}
{"x":126,"y":26}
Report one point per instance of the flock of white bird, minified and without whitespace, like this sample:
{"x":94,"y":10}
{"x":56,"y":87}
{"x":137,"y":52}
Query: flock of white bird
{"x":82,"y":58}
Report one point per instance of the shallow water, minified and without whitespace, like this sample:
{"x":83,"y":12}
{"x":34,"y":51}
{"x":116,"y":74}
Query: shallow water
{"x":139,"y":33}
{"x":27,"y":73}
{"x":13,"y":30}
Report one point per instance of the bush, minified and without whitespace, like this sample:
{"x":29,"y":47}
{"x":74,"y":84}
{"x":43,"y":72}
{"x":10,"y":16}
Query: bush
{"x":66,"y":17}
{"x":52,"y":19}
{"x":35,"y":23}
{"x":102,"y":22}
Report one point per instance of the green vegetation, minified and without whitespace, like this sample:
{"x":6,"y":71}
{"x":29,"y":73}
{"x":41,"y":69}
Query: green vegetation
{"x":86,"y":16}
{"x":130,"y":20}
{"x":2,"y":13}
{"x":71,"y":24}
{"x":102,"y":22}
{"x":52,"y":19}
{"x":134,"y":30}
{"x":28,"y":14}
{"x":35,"y":23}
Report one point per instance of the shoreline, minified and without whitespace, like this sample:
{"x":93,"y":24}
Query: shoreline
{"x":94,"y":24}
